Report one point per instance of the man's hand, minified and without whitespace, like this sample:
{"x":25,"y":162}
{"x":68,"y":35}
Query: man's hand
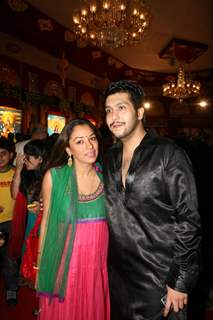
{"x":175,"y":301}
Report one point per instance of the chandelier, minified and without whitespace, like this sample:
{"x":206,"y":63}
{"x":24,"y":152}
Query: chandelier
{"x":183,"y":89}
{"x":111,"y":23}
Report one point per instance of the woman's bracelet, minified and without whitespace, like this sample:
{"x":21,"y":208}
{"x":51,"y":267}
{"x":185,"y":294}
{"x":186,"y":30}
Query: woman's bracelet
{"x":36,"y":267}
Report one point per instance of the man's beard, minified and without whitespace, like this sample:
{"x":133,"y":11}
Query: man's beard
{"x":127,"y":131}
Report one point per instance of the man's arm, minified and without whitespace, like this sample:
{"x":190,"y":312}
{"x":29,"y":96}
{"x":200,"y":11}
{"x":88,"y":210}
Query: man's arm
{"x":185,"y":268}
{"x":17,"y":176}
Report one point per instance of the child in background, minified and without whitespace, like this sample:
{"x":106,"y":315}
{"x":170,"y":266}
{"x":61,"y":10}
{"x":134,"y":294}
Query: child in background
{"x":8,"y":266}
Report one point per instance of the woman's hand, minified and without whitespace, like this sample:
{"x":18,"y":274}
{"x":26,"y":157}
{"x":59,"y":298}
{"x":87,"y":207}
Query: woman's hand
{"x":34,"y":207}
{"x":19,"y":161}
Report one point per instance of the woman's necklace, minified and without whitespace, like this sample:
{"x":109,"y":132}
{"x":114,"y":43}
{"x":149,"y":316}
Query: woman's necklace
{"x":88,"y":185}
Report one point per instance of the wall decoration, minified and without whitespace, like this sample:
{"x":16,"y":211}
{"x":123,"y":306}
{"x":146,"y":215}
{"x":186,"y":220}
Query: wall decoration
{"x":36,"y":99}
{"x":69,"y":36}
{"x":8,"y":75}
{"x":45,"y":24}
{"x":96,"y":54}
{"x":112,"y":61}
{"x":33,"y":81}
{"x":55,"y":123}
{"x":53,"y":88}
{"x":63,"y":69}
{"x":128,"y":73}
{"x":87,"y":99}
{"x":100,"y":83}
{"x":17,"y":5}
{"x":72,"y":93}
{"x":10,"y":120}
{"x":13,"y":47}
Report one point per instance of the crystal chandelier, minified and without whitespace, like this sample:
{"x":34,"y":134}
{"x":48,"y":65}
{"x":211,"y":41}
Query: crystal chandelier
{"x":183,"y":89}
{"x":111,"y":23}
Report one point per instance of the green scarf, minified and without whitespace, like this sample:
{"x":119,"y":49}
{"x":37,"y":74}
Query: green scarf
{"x":59,"y":234}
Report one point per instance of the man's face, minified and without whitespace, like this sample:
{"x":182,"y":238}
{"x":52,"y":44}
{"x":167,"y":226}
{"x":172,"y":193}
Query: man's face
{"x":121,"y":116}
{"x":5,"y":157}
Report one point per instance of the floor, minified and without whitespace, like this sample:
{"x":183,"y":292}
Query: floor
{"x":27,"y":302}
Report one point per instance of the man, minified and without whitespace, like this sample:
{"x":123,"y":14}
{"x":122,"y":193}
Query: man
{"x":9,"y":267}
{"x":152,"y":211}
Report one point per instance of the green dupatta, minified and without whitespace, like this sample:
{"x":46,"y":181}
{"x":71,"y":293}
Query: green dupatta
{"x":56,"y":248}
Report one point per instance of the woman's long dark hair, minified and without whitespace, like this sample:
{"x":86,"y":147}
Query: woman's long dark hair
{"x":59,"y":155}
{"x":31,"y":180}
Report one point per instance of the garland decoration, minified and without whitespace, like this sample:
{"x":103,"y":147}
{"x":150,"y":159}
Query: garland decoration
{"x":37,"y":99}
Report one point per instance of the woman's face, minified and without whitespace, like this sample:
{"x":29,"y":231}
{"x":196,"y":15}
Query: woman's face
{"x":32,"y":162}
{"x":83,"y":145}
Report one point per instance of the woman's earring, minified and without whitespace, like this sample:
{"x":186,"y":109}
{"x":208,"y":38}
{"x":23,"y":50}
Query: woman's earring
{"x":69,"y":162}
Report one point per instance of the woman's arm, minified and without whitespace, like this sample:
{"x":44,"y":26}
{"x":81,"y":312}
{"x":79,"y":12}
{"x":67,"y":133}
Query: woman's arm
{"x":46,"y":195}
{"x":17,"y":176}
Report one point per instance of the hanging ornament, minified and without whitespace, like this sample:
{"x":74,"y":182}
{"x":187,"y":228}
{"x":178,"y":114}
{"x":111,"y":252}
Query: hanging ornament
{"x":17,"y":5}
{"x":45,"y":24}
{"x":63,"y":68}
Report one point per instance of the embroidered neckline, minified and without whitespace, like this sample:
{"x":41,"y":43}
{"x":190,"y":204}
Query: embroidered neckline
{"x":92,"y":196}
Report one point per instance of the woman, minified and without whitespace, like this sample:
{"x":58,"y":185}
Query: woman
{"x":35,"y":161}
{"x":26,"y":189}
{"x":72,"y":279}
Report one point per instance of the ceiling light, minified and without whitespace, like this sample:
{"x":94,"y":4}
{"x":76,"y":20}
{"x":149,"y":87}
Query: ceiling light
{"x":202,"y":103}
{"x":184,"y":88}
{"x":111,"y":23}
{"x":147,"y":105}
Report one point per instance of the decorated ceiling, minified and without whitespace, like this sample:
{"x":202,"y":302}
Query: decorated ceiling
{"x":30,"y":25}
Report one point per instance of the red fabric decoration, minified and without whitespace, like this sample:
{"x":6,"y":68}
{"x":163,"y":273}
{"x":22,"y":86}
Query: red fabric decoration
{"x":17,"y":227}
{"x":29,"y":259}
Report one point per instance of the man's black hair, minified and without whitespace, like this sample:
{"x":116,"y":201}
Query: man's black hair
{"x":135,"y":92}
{"x":6,"y":144}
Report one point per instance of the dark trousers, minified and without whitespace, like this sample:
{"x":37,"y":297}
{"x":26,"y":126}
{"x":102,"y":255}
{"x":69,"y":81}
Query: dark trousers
{"x":181,"y":315}
{"x":9,"y":267}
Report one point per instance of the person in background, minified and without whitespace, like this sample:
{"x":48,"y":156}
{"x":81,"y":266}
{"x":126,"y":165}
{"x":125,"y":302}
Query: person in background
{"x":38,"y":132}
{"x":107,"y":140}
{"x":154,"y":224}
{"x":19,"y":137}
{"x":11,"y":137}
{"x":72,"y":280}
{"x":9,"y":267}
{"x":26,"y":187}
{"x":50,"y":141}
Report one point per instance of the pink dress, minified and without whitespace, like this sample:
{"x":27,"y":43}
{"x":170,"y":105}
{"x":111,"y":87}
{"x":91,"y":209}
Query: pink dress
{"x":87,"y":292}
